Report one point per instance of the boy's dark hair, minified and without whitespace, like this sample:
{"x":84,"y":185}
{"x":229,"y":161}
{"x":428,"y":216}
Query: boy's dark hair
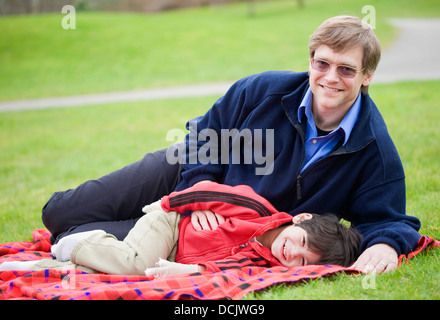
{"x":334,"y":242}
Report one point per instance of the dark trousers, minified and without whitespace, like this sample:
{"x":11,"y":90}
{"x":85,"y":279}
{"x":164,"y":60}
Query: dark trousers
{"x":114,"y":202}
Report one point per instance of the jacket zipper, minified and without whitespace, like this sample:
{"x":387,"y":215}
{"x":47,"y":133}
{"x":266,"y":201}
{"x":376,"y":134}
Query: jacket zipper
{"x":298,"y":187}
{"x":335,"y":153}
{"x":298,"y":177}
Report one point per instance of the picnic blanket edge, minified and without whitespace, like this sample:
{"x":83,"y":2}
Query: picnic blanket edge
{"x":75,"y":284}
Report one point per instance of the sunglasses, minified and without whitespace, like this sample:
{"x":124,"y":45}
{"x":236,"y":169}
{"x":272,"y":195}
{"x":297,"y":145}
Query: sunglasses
{"x":324,"y":66}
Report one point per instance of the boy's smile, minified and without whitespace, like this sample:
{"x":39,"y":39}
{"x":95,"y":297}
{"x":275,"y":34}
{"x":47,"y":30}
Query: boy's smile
{"x":289,"y":244}
{"x":291,"y":249}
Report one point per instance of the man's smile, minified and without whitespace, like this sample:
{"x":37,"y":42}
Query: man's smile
{"x":331,"y":89}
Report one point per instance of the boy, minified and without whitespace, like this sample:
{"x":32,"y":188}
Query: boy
{"x":254,"y":234}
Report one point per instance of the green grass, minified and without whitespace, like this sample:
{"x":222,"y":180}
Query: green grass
{"x":49,"y":150}
{"x":55,"y":149}
{"x":122,"y":51}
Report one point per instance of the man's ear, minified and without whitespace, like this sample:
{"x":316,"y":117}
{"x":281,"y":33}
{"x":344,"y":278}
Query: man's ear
{"x":368,"y":79}
{"x":301,"y":217}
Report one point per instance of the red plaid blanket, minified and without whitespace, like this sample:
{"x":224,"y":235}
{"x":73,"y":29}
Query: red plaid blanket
{"x":74,"y":284}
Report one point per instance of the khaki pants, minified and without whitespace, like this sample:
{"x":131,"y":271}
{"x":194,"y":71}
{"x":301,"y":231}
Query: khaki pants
{"x":154,"y":236}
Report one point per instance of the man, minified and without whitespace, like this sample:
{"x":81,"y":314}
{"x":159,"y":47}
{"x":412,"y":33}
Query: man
{"x":328,"y":145}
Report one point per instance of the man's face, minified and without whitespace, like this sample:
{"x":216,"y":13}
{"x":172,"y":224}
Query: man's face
{"x":333,"y":93}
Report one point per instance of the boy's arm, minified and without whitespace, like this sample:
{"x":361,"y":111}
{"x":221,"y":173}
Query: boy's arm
{"x":165,"y":268}
{"x":225,"y":200}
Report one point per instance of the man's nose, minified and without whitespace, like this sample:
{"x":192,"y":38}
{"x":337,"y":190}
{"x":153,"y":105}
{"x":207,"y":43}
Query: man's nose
{"x":332,"y":74}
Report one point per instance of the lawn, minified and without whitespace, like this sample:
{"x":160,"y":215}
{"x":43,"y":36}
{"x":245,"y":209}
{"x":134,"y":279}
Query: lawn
{"x":112,"y":52}
{"x":55,"y":149}
{"x":49,"y":150}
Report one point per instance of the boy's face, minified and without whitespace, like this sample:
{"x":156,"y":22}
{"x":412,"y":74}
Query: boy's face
{"x":290,"y":247}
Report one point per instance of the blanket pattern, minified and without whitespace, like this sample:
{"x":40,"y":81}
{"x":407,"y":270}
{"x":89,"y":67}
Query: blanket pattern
{"x":53,"y":284}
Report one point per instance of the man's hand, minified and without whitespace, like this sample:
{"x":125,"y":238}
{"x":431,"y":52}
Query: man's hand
{"x":376,"y":259}
{"x":206,"y":220}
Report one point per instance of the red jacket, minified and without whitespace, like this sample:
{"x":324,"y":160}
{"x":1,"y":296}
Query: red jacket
{"x":231,"y":245}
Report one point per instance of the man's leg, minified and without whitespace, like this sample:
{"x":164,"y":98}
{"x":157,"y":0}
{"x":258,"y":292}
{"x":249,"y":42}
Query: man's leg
{"x":114,"y":202}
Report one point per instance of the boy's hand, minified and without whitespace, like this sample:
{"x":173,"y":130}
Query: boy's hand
{"x":206,"y":220}
{"x":376,"y":259}
{"x":165,"y":268}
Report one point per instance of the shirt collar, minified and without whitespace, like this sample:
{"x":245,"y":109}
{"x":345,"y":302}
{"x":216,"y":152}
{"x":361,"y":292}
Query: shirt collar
{"x":346,"y":124}
{"x":306,"y":103}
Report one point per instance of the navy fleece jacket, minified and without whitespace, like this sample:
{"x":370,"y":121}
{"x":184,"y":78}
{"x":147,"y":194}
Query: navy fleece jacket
{"x":362,"y":182}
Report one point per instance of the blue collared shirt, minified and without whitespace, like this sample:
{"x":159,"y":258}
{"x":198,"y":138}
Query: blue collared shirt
{"x":319,"y":147}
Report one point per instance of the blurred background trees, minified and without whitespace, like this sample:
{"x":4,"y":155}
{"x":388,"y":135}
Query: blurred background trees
{"x":8,"y":7}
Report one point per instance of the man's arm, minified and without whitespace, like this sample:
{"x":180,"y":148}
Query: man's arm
{"x":379,"y":214}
